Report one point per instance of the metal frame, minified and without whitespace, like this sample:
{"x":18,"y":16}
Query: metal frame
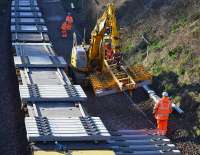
{"x":48,"y":76}
{"x":25,"y":8}
{"x":28,"y":28}
{"x":55,"y":109}
{"x":40,"y":62}
{"x":24,"y":14}
{"x":27,"y":21}
{"x":33,"y":49}
{"x":30,"y":37}
{"x":24,"y":3}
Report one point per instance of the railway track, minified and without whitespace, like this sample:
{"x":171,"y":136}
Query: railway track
{"x":55,"y":116}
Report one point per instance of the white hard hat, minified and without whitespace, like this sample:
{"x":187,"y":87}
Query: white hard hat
{"x":165,"y":94}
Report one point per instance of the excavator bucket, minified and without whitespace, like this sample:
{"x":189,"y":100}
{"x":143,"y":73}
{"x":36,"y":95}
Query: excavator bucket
{"x":139,"y":74}
{"x":103,"y":84}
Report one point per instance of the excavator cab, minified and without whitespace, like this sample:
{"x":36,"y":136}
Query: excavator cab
{"x":79,"y":55}
{"x":79,"y":58}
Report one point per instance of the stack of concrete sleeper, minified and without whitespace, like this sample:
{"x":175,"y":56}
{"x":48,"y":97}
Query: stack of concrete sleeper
{"x":44,"y":83}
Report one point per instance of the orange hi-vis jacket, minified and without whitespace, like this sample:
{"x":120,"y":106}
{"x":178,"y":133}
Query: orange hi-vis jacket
{"x":69,"y":19}
{"x":108,"y":51}
{"x":63,"y":26}
{"x":163,"y":108}
{"x":66,"y":27}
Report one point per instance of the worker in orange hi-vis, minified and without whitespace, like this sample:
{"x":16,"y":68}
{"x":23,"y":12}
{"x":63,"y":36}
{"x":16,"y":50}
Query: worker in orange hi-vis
{"x":67,"y":25}
{"x":108,"y":51}
{"x":63,"y":30}
{"x":161,"y":110}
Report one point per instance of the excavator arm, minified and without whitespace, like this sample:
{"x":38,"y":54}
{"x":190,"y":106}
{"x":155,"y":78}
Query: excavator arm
{"x":106,"y":26}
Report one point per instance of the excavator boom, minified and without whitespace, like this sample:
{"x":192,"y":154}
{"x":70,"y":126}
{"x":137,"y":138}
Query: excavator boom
{"x":106,"y":26}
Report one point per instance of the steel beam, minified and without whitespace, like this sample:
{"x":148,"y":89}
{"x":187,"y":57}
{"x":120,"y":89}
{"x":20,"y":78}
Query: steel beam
{"x":125,"y":142}
{"x":156,"y":98}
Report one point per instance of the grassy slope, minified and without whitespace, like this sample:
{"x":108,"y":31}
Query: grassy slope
{"x":173,"y":30}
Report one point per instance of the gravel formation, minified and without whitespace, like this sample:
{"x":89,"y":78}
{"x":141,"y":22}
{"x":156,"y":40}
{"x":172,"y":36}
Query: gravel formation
{"x":12,"y":128}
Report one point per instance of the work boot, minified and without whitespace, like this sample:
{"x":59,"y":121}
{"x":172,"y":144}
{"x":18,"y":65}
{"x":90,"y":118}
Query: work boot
{"x":158,"y":133}
{"x":64,"y":36}
{"x":163,"y":133}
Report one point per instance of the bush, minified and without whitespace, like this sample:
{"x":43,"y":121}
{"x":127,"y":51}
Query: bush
{"x":128,"y":46}
{"x":180,"y":23}
{"x":179,"y":50}
{"x":181,"y":70}
{"x":157,"y":68}
{"x":156,"y":45}
{"x":173,"y":53}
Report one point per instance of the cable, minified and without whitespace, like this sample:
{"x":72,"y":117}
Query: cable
{"x":135,"y":105}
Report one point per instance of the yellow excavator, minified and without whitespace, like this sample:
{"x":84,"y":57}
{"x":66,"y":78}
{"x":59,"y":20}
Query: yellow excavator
{"x":93,"y":54}
{"x":107,"y":75}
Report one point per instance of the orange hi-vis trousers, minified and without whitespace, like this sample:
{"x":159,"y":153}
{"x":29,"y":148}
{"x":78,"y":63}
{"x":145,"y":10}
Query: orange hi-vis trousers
{"x":162,"y":127}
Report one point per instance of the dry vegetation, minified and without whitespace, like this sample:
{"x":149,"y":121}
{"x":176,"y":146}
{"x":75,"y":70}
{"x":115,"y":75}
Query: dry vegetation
{"x":172,"y":28}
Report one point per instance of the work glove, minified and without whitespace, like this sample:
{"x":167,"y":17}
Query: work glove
{"x":154,"y":113}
